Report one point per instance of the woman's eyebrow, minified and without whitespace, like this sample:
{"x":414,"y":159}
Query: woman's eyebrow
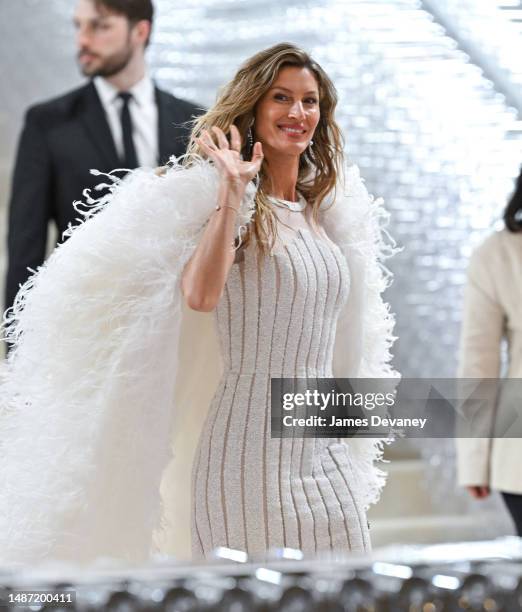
{"x":312,"y":91}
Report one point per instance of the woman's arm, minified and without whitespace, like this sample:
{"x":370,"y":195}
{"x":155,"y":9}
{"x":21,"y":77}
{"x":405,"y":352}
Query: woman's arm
{"x":480,"y":347}
{"x":206,"y":272}
{"x":483,"y":317}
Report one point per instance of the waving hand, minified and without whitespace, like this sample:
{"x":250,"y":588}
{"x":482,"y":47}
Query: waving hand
{"x":227,"y":157}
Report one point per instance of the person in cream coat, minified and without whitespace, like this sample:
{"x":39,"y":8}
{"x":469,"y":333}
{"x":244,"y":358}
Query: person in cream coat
{"x":493,"y":312}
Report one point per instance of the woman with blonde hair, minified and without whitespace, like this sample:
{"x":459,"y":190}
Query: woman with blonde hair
{"x":261,"y":226}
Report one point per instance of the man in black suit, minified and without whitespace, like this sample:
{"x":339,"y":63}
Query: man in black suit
{"x":118,"y":120}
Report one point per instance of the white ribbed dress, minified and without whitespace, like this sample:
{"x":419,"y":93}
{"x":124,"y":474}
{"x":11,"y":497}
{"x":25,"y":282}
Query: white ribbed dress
{"x":277,"y":318}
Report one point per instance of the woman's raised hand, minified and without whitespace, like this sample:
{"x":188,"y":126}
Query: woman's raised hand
{"x":227,"y":157}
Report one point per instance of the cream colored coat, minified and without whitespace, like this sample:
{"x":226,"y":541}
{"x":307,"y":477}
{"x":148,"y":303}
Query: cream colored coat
{"x":492,"y":311}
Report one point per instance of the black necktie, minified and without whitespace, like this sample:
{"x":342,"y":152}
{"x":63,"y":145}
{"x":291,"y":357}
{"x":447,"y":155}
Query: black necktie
{"x":130,"y":159}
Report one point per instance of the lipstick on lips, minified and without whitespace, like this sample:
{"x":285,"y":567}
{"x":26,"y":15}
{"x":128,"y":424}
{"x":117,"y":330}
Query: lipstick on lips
{"x":293,"y":130}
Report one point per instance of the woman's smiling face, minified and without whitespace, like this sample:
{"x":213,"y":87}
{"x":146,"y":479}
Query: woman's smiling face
{"x":288,"y":113}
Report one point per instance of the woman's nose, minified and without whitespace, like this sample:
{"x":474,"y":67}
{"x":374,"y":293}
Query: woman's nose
{"x":297,"y":110}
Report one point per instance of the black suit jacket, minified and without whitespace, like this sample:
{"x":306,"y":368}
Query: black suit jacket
{"x":61,"y":141}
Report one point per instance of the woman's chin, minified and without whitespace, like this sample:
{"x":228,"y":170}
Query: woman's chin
{"x":290,"y":148}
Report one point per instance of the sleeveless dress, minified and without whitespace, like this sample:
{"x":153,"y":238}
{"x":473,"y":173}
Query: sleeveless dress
{"x":277,"y":318}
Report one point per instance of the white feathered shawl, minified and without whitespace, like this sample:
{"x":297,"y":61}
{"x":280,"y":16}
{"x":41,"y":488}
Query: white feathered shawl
{"x":110,"y":371}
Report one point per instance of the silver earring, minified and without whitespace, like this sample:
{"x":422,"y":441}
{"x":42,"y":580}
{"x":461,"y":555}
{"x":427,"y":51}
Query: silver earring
{"x":250,"y":136}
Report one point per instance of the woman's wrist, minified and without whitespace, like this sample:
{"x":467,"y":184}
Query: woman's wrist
{"x":225,"y":206}
{"x":233,"y":185}
{"x":230,"y":194}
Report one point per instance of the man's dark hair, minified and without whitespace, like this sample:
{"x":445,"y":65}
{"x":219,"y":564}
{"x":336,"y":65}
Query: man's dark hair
{"x":134,"y":10}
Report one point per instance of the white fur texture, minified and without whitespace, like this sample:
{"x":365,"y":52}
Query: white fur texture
{"x":87,"y":410}
{"x":357,"y":223}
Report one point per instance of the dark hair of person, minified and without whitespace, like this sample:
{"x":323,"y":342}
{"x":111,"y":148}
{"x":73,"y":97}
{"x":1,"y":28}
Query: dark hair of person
{"x":513,"y":212}
{"x":134,"y":10}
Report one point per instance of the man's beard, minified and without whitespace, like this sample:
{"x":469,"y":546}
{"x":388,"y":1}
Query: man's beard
{"x":110,"y":65}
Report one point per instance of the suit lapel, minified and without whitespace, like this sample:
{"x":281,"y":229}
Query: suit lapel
{"x":172,"y":135}
{"x":97,"y":127}
{"x":164,"y":127}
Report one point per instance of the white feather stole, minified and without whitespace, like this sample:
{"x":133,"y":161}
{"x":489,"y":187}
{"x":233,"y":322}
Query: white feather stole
{"x":108,"y":368}
{"x":356,"y":222}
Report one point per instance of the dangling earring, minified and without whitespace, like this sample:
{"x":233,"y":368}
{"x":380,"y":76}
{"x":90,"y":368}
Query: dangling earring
{"x":309,"y":148}
{"x":250,"y":138}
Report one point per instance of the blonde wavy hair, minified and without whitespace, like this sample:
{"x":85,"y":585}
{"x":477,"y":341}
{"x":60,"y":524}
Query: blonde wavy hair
{"x":236,"y":104}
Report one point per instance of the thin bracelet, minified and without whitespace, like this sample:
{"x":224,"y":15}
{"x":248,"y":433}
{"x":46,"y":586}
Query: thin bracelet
{"x":220,"y":206}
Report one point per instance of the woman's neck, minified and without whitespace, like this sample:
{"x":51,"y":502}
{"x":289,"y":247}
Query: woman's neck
{"x":283,"y":172}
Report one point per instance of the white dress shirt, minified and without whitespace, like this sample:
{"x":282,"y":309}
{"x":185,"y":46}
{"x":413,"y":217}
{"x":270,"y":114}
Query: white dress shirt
{"x":144,"y":115}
